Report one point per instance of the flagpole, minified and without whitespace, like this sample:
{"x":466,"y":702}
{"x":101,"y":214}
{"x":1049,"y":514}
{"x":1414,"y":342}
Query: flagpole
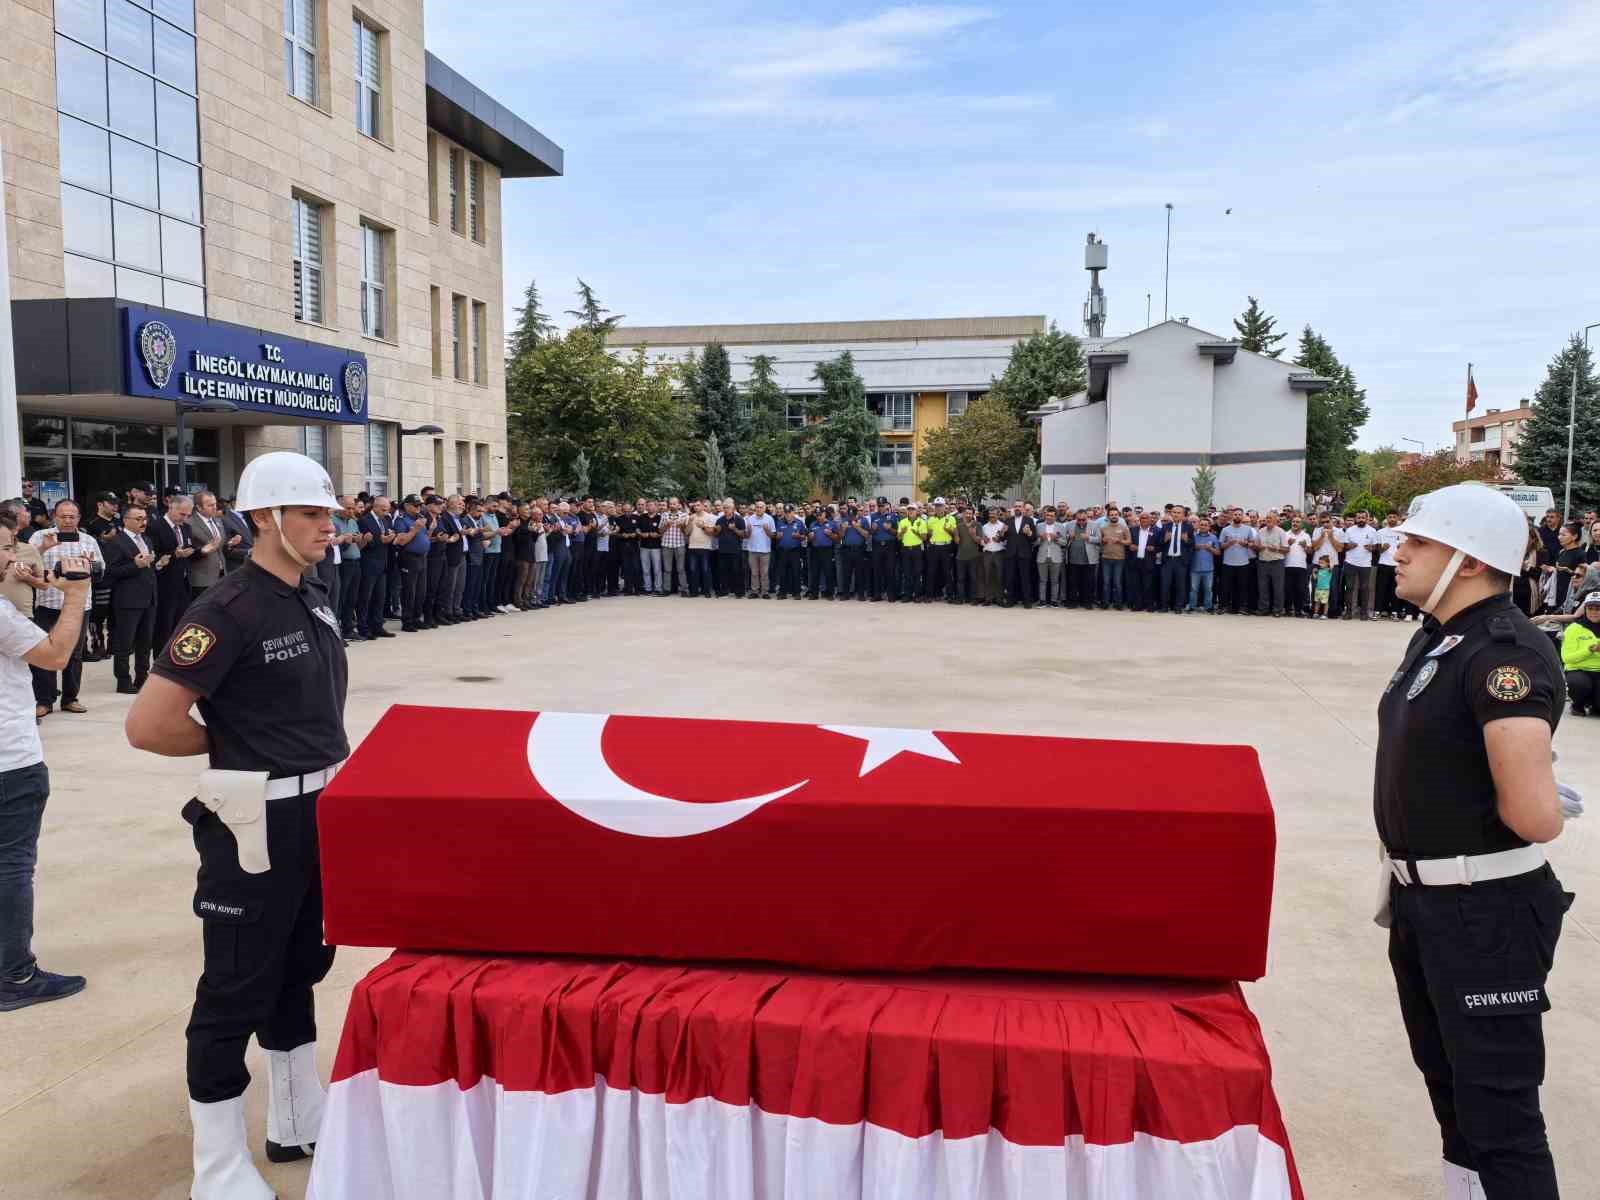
{"x":10,"y":439}
{"x":1469,"y":391}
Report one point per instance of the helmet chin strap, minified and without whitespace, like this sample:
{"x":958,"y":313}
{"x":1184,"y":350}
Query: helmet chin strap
{"x":1446,"y":577}
{"x":288,"y":548}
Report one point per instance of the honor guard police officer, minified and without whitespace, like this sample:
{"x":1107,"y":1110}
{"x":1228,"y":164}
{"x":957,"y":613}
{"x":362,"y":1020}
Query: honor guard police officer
{"x":1464,"y":792}
{"x":262,"y":656}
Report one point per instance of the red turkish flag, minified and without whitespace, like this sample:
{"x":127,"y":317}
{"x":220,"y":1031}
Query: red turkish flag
{"x":836,"y":847}
{"x":1472,"y":391}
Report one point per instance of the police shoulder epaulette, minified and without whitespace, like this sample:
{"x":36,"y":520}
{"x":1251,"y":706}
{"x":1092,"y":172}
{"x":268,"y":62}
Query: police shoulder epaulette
{"x":1501,"y":629}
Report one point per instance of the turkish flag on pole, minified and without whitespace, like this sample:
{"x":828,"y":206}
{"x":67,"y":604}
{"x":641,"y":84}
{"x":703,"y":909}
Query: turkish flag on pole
{"x":838,"y":847}
{"x":1472,"y":391}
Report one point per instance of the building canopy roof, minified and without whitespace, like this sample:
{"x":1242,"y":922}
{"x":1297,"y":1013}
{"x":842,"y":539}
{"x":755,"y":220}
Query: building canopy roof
{"x":466,"y":115}
{"x":802,"y":332}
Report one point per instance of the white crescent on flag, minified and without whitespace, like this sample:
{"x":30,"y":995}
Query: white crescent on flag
{"x":569,"y":762}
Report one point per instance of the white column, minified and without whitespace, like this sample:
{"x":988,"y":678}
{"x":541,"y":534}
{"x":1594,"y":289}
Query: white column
{"x":10,"y":432}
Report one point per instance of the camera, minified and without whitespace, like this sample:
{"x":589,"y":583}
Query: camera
{"x":60,"y":574}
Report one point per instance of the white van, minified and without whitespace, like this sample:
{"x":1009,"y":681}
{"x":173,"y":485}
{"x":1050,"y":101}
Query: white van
{"x":1535,"y":501}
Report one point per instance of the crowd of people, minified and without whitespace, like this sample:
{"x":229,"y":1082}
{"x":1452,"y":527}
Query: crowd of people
{"x":431,"y":560}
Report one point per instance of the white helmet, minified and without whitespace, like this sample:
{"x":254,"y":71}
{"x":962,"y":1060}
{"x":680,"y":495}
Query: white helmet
{"x":1477,"y":520}
{"x":284,"y":479}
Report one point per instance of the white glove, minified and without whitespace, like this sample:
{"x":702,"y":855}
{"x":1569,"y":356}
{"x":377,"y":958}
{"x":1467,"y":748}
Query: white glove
{"x":1571,"y":801}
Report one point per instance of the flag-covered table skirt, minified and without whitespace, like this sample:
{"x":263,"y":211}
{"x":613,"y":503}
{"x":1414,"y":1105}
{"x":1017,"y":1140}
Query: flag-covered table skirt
{"x":480,"y":1078}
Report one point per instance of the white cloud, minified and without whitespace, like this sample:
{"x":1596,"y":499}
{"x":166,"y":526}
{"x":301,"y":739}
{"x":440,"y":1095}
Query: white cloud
{"x":1571,"y":42}
{"x":892,"y":40}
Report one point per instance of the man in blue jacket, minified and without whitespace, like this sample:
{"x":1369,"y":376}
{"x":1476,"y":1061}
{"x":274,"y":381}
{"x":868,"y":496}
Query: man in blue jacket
{"x":1177,"y":549}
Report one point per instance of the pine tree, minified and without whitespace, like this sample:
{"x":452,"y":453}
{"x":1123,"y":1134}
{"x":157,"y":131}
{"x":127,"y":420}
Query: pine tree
{"x":1255,"y":330}
{"x":1333,"y":417}
{"x":532,"y":326}
{"x":709,"y":385}
{"x":591,"y":314}
{"x":840,"y":449}
{"x":768,"y":404}
{"x":1542,"y":447}
{"x":716,"y":471}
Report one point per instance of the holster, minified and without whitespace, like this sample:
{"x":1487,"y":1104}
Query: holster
{"x":239,"y":798}
{"x":1383,"y":916}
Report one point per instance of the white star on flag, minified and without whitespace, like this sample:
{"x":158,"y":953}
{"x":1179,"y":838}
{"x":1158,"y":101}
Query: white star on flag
{"x":884,"y":744}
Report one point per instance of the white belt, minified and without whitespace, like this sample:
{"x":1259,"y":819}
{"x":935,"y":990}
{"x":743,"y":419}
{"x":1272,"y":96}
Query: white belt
{"x":1464,"y":870}
{"x":298,"y":785}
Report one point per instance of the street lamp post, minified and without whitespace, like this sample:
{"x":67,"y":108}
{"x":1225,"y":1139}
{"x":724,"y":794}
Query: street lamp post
{"x":1572,"y":425}
{"x":1166,"y":271}
{"x":196,"y":406}
{"x":1417,"y":442}
{"x":400,"y":455}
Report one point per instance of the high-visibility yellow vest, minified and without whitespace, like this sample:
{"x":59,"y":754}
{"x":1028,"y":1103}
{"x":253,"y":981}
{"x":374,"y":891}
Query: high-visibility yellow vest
{"x":942,"y":530}
{"x":912,"y":532}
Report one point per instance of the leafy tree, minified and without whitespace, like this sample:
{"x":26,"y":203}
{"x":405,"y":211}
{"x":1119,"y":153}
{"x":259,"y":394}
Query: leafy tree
{"x":1400,"y":483}
{"x":1364,"y":467}
{"x":773,"y":469}
{"x":1542,"y":448}
{"x":768,"y":404}
{"x":568,"y":398}
{"x":1041,"y":367}
{"x":591,"y":314}
{"x":1333,"y":417}
{"x":580,"y":474}
{"x":716,"y":471}
{"x":1255,"y":330}
{"x":708,"y":384}
{"x":979,"y":454}
{"x":1366,"y":502}
{"x":840,"y":449}
{"x":532,"y":326}
{"x":1204,"y":486}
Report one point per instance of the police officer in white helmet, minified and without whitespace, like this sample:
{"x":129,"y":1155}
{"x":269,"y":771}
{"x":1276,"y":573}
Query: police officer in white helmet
{"x":1464,"y":793}
{"x":261,"y":655}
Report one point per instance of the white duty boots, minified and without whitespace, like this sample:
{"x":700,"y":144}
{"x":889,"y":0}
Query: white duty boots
{"x":222,"y":1166}
{"x":294,"y":1103}
{"x":1461,"y":1184}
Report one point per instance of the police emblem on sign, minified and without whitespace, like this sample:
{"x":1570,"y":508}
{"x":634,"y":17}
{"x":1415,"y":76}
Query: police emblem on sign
{"x":1509,"y":684}
{"x":1423,"y":679}
{"x":159,"y":350}
{"x":355,"y":385}
{"x":192,"y":644}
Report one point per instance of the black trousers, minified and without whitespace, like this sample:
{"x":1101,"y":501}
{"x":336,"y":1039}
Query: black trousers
{"x":632,"y":571}
{"x":1174,"y":585}
{"x":391,"y":586}
{"x":1295,"y":595}
{"x":940,"y":560}
{"x":171,"y":601}
{"x":912,"y":562}
{"x":349,"y":593}
{"x":263,"y":945}
{"x":1080,"y":584}
{"x":883,"y":569}
{"x":969,"y":579}
{"x":1386,"y":602}
{"x":821,"y":570}
{"x":133,"y":634}
{"x":45,"y":690}
{"x":730,"y":573}
{"x":1021,"y":577}
{"x":369,"y":601}
{"x":413,"y":589}
{"x":857,"y":570}
{"x":788,"y":571}
{"x":1230,"y":588}
{"x":1470,"y":965}
{"x":1582,"y":689}
{"x":435,"y":605}
{"x":1143,"y":583}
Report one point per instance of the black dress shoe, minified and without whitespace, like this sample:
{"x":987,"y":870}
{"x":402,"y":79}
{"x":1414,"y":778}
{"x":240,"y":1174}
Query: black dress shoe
{"x":127,"y":689}
{"x":383,"y":633}
{"x":288,"y":1154}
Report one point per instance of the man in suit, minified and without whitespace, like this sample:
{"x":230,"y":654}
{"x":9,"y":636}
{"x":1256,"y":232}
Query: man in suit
{"x":210,"y":545}
{"x":1144,"y":564}
{"x":131,"y":569}
{"x":1177,"y":551}
{"x":239,"y":537}
{"x":170,"y":538}
{"x":1019,"y":555}
{"x":377,"y":532}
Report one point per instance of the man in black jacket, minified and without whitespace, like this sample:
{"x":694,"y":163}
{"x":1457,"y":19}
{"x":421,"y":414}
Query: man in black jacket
{"x":131,"y":571}
{"x":168,"y":536}
{"x":1020,"y":546}
{"x":374,"y":566}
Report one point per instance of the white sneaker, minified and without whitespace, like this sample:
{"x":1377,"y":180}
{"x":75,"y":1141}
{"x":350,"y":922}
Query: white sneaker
{"x":295,"y":1100}
{"x":222,"y":1166}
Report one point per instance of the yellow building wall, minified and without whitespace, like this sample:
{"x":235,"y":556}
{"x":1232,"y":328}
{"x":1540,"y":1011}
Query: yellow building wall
{"x":927,"y":415}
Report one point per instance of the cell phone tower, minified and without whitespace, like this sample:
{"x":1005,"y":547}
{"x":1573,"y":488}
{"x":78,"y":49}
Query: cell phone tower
{"x":1094,"y":308}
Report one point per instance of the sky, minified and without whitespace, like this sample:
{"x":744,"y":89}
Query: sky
{"x":1419,"y":182}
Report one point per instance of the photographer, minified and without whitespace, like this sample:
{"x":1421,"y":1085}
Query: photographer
{"x":54,"y":543}
{"x":24,"y":781}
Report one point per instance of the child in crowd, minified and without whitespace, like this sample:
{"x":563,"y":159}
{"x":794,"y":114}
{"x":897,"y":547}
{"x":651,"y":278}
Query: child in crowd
{"x":1319,"y":594}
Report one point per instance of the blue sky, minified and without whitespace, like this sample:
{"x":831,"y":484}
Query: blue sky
{"x":1420,"y":182}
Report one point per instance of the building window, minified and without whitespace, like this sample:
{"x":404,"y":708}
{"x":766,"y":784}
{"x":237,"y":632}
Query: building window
{"x":377,"y":472}
{"x":374,"y":292}
{"x":128,"y":135}
{"x":463,"y":466}
{"x":955,"y":403}
{"x":433,"y":177}
{"x":369,"y":79}
{"x":475,"y":199}
{"x":314,"y":444}
{"x":794,"y":412}
{"x":894,"y":458}
{"x":481,"y":482}
{"x":893,"y":409}
{"x":480,"y":342}
{"x":455,"y":189}
{"x":307,"y":260}
{"x":434,"y":329}
{"x":300,"y":49}
{"x":458,"y":318}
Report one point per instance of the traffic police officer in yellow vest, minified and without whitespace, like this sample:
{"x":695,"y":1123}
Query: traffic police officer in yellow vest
{"x":1463,"y":796}
{"x":913,"y":531}
{"x":262,"y":657}
{"x":941,"y":551}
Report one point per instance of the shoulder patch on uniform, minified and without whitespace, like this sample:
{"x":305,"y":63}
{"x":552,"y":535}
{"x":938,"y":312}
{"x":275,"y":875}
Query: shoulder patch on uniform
{"x":1509,"y":683}
{"x":191,"y":644}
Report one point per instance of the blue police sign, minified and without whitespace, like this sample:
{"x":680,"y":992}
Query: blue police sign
{"x":169,"y":356}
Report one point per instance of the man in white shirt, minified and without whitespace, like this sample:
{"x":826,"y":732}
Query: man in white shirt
{"x":57,"y":542}
{"x":1389,"y":606}
{"x":1296,"y":572}
{"x":1358,"y":541}
{"x":24,"y":781}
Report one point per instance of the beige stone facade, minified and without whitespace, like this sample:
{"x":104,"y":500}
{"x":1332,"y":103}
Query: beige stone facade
{"x":261,"y":148}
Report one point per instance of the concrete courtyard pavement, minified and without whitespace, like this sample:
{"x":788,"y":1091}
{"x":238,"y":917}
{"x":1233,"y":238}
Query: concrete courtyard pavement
{"x":92,"y":1100}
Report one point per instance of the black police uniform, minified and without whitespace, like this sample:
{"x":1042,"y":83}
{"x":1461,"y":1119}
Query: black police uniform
{"x":269,"y":664}
{"x":1470,"y":962}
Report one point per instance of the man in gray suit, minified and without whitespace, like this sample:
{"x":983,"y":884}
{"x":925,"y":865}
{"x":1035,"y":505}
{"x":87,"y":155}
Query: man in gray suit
{"x":210,"y":543}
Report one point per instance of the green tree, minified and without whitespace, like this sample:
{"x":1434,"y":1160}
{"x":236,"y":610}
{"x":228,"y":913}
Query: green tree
{"x":1333,"y":417}
{"x":1204,"y":486}
{"x":773,"y":469}
{"x":1044,"y":366}
{"x":716,"y":471}
{"x":840,"y":449}
{"x":592,"y":316}
{"x":532,"y":326}
{"x":1255,"y":330}
{"x":568,"y":397}
{"x":580,"y":473}
{"x":1375,"y":506}
{"x":708,"y":384}
{"x":1426,"y":473}
{"x":979,"y":454}
{"x":1365,"y":466}
{"x":1542,"y":448}
{"x":767,"y":402}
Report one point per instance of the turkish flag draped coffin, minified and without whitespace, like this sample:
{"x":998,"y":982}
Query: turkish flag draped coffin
{"x":464,"y":1077}
{"x":832,"y":847}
